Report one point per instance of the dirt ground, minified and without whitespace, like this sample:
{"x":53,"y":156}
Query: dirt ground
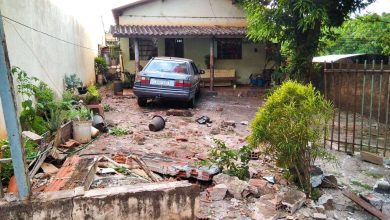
{"x":126,"y":113}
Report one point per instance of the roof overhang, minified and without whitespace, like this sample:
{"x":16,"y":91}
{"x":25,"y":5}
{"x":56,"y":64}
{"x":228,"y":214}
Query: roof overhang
{"x":334,"y":58}
{"x":128,"y":31}
{"x":116,"y":12}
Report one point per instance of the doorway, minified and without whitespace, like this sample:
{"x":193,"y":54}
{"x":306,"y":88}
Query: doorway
{"x":174,"y":47}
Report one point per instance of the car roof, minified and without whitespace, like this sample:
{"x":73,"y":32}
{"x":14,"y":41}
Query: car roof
{"x":173,"y":58}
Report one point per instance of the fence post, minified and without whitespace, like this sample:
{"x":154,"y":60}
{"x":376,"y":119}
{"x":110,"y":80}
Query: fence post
{"x":11,"y":120}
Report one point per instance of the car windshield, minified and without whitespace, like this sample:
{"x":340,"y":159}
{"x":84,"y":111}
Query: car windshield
{"x":166,"y":66}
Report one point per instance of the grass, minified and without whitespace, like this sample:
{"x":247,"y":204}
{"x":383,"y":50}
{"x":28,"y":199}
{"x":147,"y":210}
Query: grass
{"x":375,"y":175}
{"x":362,"y":185}
{"x":119,"y":131}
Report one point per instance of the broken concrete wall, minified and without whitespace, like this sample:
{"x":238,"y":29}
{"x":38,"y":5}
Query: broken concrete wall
{"x":173,"y":200}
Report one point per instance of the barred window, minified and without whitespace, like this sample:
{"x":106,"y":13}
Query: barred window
{"x":229,"y":48}
{"x":147,"y":49}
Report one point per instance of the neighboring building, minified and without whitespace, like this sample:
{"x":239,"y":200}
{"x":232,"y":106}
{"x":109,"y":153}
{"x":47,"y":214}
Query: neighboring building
{"x":177,"y":28}
{"x":50,"y":58}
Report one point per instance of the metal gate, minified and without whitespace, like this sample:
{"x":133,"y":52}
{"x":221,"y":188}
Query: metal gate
{"x":360,"y":94}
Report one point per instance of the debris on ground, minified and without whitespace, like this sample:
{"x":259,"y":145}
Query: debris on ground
{"x":203,"y":120}
{"x":238,"y":188}
{"x":371,"y":157}
{"x":70,"y":144}
{"x":216,"y":193}
{"x":157,"y":123}
{"x":293,"y":200}
{"x":225,"y":124}
{"x":179,"y":112}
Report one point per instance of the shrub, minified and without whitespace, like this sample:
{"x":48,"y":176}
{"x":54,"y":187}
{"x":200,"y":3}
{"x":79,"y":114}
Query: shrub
{"x":72,"y":82}
{"x":292,"y":124}
{"x":230,"y":161}
{"x":93,"y":95}
{"x":100,"y":65}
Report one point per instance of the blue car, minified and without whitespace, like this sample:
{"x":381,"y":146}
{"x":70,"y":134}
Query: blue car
{"x":168,"y":78}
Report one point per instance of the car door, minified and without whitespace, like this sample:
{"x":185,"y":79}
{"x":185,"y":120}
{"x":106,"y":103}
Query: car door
{"x":196,"y":74}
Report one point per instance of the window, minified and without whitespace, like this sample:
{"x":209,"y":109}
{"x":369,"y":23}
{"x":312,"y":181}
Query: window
{"x":229,"y":48}
{"x":147,"y":49}
{"x":168,"y":66}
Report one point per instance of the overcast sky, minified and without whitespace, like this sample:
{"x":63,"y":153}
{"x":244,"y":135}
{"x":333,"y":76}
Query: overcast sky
{"x":105,"y":6}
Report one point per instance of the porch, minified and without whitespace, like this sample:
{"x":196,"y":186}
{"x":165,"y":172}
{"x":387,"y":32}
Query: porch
{"x":224,"y":52}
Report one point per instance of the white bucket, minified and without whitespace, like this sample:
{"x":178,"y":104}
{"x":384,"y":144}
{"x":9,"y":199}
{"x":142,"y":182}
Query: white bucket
{"x":82,"y":131}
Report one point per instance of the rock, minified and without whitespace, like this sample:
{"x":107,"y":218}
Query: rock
{"x":225,"y":124}
{"x":264,"y":212}
{"x":329,"y":181}
{"x":272,"y":200}
{"x":373,"y":198}
{"x":238,"y":188}
{"x":270,"y":179}
{"x":293,"y":200}
{"x":326,"y":201}
{"x":139,"y":138}
{"x":219,"y":109}
{"x":217,"y":192}
{"x":179,"y":112}
{"x":319,"y":216}
{"x":316,"y":176}
{"x":261,"y":186}
{"x":215,"y":131}
{"x":382,"y":186}
{"x":181,"y":139}
{"x":244,"y":122}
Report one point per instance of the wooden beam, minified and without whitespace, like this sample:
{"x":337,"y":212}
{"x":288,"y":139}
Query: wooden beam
{"x":211,"y":64}
{"x":136,"y":55}
{"x":371,"y":209}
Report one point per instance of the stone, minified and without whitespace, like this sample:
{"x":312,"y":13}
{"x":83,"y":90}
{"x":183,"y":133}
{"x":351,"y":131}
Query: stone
{"x":219,"y":109}
{"x":319,"y":216}
{"x":272,"y":200}
{"x":261,"y":186}
{"x":326,"y":201}
{"x":217,"y":192}
{"x":372,"y":198}
{"x":382,"y":186}
{"x":238,"y":188}
{"x":316,"y":176}
{"x":225,"y":124}
{"x":49,"y":168}
{"x":179,"y":112}
{"x":215,"y":130}
{"x":329,"y":181}
{"x":293,"y":200}
{"x":139,"y":138}
{"x":244,"y":122}
{"x":264,"y":212}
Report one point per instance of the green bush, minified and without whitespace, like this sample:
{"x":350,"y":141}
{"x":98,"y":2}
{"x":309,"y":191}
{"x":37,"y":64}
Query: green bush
{"x":93,"y":95}
{"x":291,"y":124}
{"x":101,"y":65}
{"x":72,"y":82}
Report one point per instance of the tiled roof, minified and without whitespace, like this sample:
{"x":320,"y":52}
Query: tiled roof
{"x":179,"y":31}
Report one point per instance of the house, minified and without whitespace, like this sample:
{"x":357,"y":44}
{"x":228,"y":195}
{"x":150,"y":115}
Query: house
{"x":192,"y":29}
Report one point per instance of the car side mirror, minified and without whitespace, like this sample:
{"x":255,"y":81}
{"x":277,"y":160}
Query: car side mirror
{"x":201,"y":72}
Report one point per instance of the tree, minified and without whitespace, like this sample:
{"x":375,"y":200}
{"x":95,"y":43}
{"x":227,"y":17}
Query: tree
{"x":297,"y":25}
{"x":363,"y":34}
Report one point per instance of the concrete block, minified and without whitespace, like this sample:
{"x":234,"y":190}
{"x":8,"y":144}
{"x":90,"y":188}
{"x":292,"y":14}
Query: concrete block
{"x":319,"y":216}
{"x":371,"y":157}
{"x":293,"y":200}
{"x":217,"y":192}
{"x":326,"y":201}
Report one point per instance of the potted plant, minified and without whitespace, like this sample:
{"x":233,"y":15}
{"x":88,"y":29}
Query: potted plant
{"x":129,"y":80}
{"x":72,"y":82}
{"x":101,"y":68}
{"x":82,"y":123}
{"x":93,"y":95}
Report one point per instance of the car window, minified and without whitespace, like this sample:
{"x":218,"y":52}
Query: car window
{"x":166,"y":66}
{"x":196,"y":71}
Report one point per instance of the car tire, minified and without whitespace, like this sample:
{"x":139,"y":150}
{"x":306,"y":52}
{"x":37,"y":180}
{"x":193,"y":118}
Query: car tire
{"x":142,"y":102}
{"x":191,"y":103}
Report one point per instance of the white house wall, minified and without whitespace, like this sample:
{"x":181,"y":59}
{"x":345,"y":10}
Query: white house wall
{"x":188,"y":12}
{"x":47,"y":58}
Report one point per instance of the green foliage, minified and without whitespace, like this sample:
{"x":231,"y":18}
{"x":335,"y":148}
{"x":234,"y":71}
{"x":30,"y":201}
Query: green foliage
{"x":100,"y":65}
{"x":230,"y":161}
{"x":363,"y":34}
{"x":81,"y":114}
{"x":115,"y":51}
{"x":292,"y":124}
{"x":297,"y":26}
{"x":7,"y":169}
{"x":107,"y":107}
{"x":72,"y":82}
{"x":117,"y":131}
{"x":361,"y":185}
{"x":93,"y":95}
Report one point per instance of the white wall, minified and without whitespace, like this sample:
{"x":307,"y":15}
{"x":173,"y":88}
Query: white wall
{"x":47,"y":58}
{"x":172,"y":12}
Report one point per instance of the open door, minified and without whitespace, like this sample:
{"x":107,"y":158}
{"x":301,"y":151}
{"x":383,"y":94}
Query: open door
{"x":174,"y":47}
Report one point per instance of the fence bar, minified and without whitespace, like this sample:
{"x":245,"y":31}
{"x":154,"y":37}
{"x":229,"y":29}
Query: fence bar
{"x":326,"y":97}
{"x":362,"y":110}
{"x":354,"y":107}
{"x":339,"y":107}
{"x":379,"y":107}
{"x":346,"y":119}
{"x":371,"y":103}
{"x":387,"y":113}
{"x":333,"y":100}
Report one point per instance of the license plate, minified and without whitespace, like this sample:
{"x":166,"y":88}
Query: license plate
{"x":162,"y":82}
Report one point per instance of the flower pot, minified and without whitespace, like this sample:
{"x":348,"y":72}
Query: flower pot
{"x":82,"y":90}
{"x":100,"y":79}
{"x":82,"y":131}
{"x":118,"y":87}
